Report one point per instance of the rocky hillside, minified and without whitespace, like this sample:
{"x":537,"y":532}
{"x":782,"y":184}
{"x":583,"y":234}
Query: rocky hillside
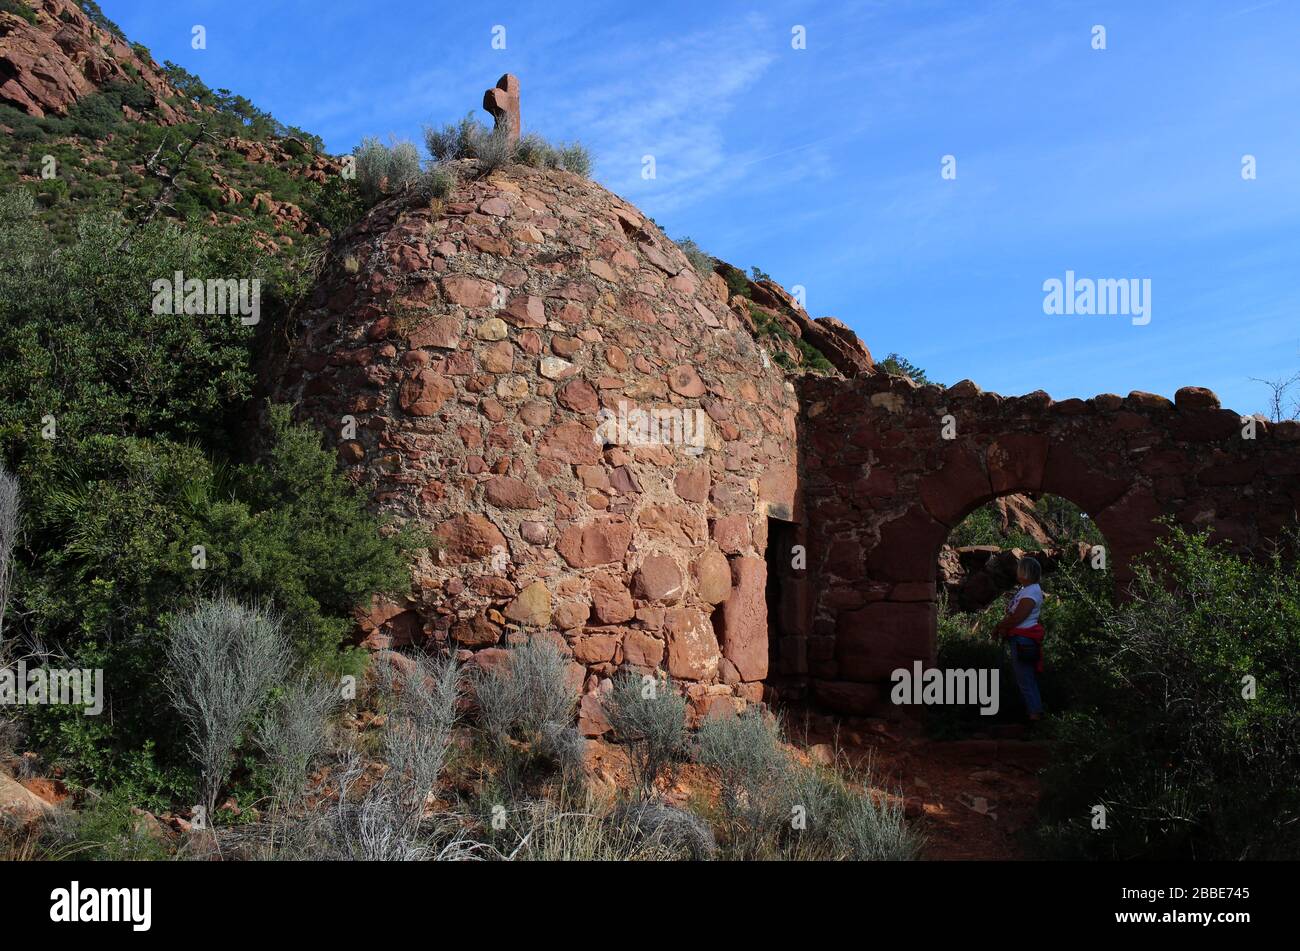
{"x":91,"y":120}
{"x":54,"y":53}
{"x":797,"y":341}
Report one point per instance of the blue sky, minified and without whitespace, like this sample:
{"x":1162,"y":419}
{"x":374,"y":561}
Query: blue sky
{"x":822,"y":165}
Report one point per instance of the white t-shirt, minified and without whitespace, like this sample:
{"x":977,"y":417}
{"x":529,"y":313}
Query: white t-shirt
{"x":1034,"y":593}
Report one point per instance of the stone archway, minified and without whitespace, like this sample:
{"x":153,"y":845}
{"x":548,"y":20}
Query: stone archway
{"x":890,"y":468}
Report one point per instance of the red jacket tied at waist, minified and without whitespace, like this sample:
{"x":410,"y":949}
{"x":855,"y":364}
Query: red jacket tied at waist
{"x":1034,"y":633}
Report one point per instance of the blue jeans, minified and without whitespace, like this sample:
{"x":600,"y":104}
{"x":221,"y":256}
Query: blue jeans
{"x":1026,"y":676}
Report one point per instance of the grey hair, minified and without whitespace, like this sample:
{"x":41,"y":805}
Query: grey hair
{"x":1031,"y":569}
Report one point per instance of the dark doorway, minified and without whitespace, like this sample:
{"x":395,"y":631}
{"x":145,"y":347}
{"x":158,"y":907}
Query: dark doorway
{"x":782,"y":537}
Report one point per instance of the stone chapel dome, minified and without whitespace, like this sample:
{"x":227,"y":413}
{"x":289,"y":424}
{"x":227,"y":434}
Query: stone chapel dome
{"x":535,"y":375}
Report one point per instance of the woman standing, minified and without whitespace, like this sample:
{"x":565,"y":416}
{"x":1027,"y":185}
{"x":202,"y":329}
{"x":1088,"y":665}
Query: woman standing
{"x":1023,"y":631}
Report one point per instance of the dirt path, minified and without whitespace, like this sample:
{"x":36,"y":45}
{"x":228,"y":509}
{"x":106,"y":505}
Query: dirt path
{"x":973,"y":799}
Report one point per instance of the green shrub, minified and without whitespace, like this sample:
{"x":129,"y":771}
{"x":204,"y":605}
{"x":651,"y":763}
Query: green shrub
{"x":336,"y":205}
{"x":649,"y":716}
{"x":774,"y":807}
{"x":1076,"y":600}
{"x":79,"y":340}
{"x":19,"y":8}
{"x":223,"y":659}
{"x":1064,"y":521}
{"x":471,"y":139}
{"x":105,"y":830}
{"x":299,"y":535}
{"x":702,"y":262}
{"x":100,"y":113}
{"x":737,"y":283}
{"x":111,"y":524}
{"x":1186,"y":766}
{"x":91,"y":9}
{"x":385,"y":169}
{"x":897,"y":365}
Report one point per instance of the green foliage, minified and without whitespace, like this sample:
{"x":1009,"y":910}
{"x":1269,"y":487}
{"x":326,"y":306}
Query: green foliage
{"x":1064,"y":521}
{"x":984,"y":527}
{"x":91,"y":9}
{"x":145,"y":407}
{"x":1077,"y":599}
{"x":337,"y":205}
{"x":19,"y":8}
{"x":468,"y":138}
{"x":1185,"y":765}
{"x":768,"y":325}
{"x":299,"y":536}
{"x":106,"y":830}
{"x":813,"y":358}
{"x":648,"y":716}
{"x":79,"y":340}
{"x":100,"y":113}
{"x":701,"y":261}
{"x":901,"y":366}
{"x":737,"y":283}
{"x":385,"y":169}
{"x":112,"y":523}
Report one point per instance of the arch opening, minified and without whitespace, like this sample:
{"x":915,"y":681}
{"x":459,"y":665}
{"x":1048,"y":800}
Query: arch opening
{"x":976,"y":574}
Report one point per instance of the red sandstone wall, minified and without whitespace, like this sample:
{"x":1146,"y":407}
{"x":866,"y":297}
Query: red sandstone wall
{"x":475,"y":343}
{"x":883,"y":488}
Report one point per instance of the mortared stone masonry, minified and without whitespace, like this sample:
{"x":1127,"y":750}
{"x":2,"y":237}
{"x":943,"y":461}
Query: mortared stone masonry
{"x":489,"y":365}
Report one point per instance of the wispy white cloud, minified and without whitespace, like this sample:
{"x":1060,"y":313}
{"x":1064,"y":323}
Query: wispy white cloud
{"x":671,"y":100}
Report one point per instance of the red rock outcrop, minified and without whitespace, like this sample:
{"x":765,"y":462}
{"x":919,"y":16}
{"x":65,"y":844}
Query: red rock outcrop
{"x":47,"y":66}
{"x":832,"y":337}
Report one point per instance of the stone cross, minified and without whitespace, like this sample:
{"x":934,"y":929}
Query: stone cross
{"x":502,"y":100}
